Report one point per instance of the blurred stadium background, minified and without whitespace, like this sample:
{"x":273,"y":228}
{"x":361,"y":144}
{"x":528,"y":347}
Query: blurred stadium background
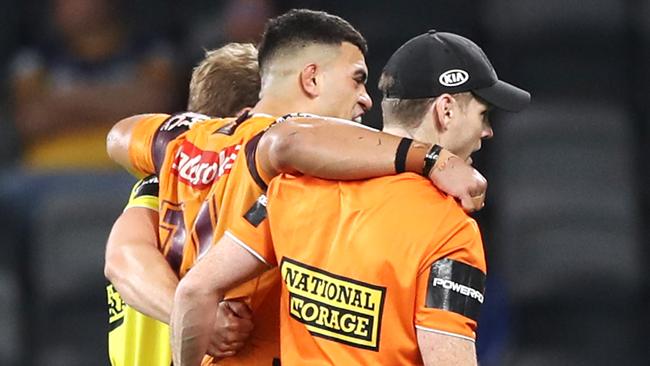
{"x":565,"y":224}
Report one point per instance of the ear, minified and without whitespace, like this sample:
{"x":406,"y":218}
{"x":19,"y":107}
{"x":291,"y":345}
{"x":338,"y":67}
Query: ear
{"x":308,"y":81}
{"x":444,"y":111}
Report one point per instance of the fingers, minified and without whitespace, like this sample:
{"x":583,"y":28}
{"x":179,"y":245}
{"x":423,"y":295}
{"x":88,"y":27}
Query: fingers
{"x":239,"y":308}
{"x":218,"y":354}
{"x":224,"y":349}
{"x":478,"y":202}
{"x":471,"y":204}
{"x":460,"y":180}
{"x":235,"y":327}
{"x":480,"y":184}
{"x":230,"y":329}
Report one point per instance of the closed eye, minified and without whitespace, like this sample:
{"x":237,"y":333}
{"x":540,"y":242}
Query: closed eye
{"x":360,"y":77}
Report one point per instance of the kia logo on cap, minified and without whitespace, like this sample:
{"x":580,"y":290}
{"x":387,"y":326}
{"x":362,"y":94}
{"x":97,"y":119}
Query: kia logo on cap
{"x":453,"y":77}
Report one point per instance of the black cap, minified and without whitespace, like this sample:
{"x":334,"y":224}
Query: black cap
{"x":435,"y":63}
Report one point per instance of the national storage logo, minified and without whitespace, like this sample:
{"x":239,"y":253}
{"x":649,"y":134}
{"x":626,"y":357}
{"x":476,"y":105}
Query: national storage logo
{"x":334,"y":307}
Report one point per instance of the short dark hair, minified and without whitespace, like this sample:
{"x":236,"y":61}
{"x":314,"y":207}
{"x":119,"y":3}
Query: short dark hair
{"x":299,"y":27}
{"x":226,"y":81}
{"x":404,"y":112}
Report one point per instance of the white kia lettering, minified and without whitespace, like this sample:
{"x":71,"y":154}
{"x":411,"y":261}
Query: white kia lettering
{"x":453,"y":77}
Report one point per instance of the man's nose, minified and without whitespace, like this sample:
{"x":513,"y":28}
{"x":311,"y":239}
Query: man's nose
{"x":365,"y":101}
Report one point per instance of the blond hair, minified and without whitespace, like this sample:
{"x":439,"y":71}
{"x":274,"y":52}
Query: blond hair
{"x":226,"y":81}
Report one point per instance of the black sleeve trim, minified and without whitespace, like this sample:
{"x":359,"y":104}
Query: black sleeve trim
{"x":147,"y":187}
{"x":251,"y":151}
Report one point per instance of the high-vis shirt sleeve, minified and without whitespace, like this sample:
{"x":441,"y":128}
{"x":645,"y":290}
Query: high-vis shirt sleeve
{"x":251,"y":231}
{"x":451,"y":285}
{"x":144,"y":194}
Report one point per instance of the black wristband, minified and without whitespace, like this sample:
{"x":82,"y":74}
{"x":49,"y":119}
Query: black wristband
{"x":430,"y":159}
{"x":400,"y":155}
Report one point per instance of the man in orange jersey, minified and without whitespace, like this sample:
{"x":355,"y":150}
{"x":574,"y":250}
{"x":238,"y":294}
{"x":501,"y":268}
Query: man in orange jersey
{"x":310,"y":61}
{"x":383,"y":271}
{"x":142,"y":284}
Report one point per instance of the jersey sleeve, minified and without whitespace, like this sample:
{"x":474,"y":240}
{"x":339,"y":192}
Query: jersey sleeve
{"x":144,"y":194}
{"x":451,"y":282}
{"x":152,"y":134}
{"x":251,"y":231}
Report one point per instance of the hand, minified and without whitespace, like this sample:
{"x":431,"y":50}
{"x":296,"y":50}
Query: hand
{"x":457,"y":178}
{"x":231,"y":329}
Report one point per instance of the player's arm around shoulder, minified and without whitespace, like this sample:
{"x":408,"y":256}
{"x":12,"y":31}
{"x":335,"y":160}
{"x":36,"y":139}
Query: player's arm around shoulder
{"x":332,"y":148}
{"x":326,"y":148}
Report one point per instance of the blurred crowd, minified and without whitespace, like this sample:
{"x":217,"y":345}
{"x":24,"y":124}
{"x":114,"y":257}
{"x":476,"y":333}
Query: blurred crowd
{"x":566,"y":207}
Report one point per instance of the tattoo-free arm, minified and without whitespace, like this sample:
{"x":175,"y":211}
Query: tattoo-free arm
{"x":440,"y":349}
{"x":224,"y":266}
{"x":136,"y":267}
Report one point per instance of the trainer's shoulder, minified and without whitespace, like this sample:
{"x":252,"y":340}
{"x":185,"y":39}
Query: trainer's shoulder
{"x":408,"y":186}
{"x":417,"y":194}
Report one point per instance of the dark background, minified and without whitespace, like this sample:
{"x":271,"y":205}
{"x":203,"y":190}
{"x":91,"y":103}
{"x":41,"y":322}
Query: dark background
{"x":565,"y":222}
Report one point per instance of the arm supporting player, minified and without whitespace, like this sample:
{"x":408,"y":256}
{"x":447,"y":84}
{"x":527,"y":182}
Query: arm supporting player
{"x":225,"y":266}
{"x":135,"y":266}
{"x":332,"y":148}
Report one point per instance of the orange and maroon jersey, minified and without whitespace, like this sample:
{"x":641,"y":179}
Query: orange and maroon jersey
{"x":208,"y":176}
{"x":366,"y":263}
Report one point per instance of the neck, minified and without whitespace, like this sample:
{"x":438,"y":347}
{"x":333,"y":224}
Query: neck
{"x":398,"y":131}
{"x":281,"y":102}
{"x":420,"y":134}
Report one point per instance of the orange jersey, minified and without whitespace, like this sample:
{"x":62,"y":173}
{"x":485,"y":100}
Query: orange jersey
{"x":366,"y":263}
{"x":208,"y":176}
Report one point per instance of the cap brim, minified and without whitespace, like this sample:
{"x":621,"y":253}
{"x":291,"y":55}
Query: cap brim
{"x":505,"y":96}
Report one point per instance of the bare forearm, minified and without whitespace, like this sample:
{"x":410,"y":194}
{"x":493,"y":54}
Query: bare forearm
{"x":144,"y":280}
{"x":136,"y":267}
{"x":225,"y":266}
{"x":336,"y":149}
{"x":192,"y":318}
{"x":333,"y":149}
